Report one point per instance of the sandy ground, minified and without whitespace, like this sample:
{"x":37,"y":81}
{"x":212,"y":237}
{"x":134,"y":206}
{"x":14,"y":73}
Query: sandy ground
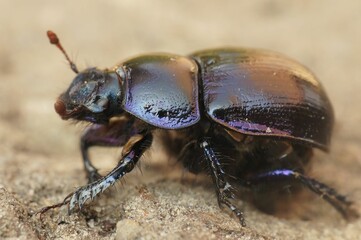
{"x":39,"y":157}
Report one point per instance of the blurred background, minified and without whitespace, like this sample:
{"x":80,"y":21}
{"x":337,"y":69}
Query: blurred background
{"x":36,"y":146}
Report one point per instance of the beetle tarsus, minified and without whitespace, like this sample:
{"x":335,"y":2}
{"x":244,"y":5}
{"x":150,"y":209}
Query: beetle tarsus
{"x":338,"y":201}
{"x":223,"y":187}
{"x":58,"y":205}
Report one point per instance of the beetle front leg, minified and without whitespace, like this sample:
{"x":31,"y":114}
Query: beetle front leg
{"x":116,"y":133}
{"x":135,"y":147}
{"x":223,"y":187}
{"x":338,"y":201}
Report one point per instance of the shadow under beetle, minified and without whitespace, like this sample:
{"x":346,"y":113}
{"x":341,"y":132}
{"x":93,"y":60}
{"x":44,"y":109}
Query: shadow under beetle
{"x":267,"y":110}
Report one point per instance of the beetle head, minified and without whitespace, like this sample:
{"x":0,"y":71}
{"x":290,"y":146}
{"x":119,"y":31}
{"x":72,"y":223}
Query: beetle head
{"x":94,"y":95}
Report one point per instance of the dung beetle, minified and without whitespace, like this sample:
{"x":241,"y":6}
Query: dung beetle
{"x":245,"y":116}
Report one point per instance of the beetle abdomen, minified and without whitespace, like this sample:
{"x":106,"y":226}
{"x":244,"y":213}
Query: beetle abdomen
{"x":162,"y":90}
{"x":259,"y":92}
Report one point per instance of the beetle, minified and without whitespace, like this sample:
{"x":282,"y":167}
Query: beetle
{"x":263,"y":110}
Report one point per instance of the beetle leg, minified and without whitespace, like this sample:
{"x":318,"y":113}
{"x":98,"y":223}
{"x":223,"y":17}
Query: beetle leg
{"x":125,"y":165}
{"x":116,"y":133}
{"x":338,"y":201}
{"x":223,"y":187}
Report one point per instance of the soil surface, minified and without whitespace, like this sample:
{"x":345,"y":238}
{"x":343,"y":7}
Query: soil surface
{"x":40,"y":161}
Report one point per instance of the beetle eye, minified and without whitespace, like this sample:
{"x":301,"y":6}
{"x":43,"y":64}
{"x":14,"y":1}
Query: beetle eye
{"x":82,"y":91}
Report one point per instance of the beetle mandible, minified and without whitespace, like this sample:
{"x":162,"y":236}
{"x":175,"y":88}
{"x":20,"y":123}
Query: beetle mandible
{"x":263,"y":110}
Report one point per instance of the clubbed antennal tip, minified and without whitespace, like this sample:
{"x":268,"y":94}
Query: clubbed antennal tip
{"x":55,"y":40}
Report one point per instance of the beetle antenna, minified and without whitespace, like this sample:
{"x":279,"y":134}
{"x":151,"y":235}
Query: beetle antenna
{"x":55,"y":40}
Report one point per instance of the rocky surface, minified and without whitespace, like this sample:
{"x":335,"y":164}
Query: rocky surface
{"x":39,"y":157}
